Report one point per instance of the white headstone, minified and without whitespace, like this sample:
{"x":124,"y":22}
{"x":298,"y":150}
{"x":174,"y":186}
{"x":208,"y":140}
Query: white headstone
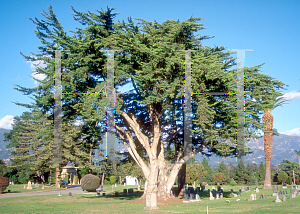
{"x":277,"y":199}
{"x":151,"y":201}
{"x":210,"y":196}
{"x":29,"y":185}
{"x":115,"y":184}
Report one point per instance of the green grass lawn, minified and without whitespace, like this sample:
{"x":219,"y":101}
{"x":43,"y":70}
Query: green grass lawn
{"x":85,"y":203}
{"x":19,"y":188}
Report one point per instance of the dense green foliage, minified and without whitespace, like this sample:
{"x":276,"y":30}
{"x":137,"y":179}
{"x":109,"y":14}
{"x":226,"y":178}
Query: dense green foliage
{"x":113,"y":179}
{"x":90,"y":182}
{"x":282,"y":177}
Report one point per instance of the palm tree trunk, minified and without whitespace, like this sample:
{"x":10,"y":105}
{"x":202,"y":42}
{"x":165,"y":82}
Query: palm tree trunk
{"x":268,"y":146}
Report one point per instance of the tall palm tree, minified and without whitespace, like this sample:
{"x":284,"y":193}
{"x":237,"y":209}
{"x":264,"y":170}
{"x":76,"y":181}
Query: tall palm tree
{"x":298,"y":154}
{"x":268,"y":135}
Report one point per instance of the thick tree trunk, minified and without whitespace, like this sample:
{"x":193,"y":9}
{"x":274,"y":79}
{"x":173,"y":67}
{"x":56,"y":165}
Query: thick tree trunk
{"x":294,"y":176}
{"x":181,"y":181}
{"x":102,"y":182}
{"x":267,"y":183}
{"x":57,"y":177}
{"x":50,"y":176}
{"x":268,"y":146}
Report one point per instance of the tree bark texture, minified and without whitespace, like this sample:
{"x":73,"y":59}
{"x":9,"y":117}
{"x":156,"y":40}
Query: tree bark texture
{"x":57,"y":177}
{"x":268,"y":146}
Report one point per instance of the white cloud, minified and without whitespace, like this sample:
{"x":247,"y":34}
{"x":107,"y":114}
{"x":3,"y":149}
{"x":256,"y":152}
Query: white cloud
{"x":295,"y":131}
{"x":292,"y":95}
{"x":6,"y":122}
{"x":35,"y":74}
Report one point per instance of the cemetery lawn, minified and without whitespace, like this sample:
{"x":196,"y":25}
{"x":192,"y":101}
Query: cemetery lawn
{"x":88,"y":203}
{"x":19,"y":188}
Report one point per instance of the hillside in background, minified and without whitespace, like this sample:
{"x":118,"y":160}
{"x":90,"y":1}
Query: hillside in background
{"x":283,"y":148}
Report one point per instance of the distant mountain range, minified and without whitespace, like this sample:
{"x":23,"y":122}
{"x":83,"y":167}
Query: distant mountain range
{"x":283,"y":148}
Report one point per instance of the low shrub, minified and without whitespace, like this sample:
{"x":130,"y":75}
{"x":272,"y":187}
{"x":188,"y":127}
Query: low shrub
{"x":232,"y":182}
{"x":113,"y":179}
{"x":90,"y":182}
{"x":4,"y":183}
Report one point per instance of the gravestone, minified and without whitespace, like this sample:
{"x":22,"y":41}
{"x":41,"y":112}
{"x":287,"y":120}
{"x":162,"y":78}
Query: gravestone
{"x":98,"y":192}
{"x":37,"y":185}
{"x":252,"y":197}
{"x":284,"y":186}
{"x":186,"y":198}
{"x":267,"y":196}
{"x":130,"y":192}
{"x":103,"y":194}
{"x":124,"y":184}
{"x":208,"y":191}
{"x":280,"y":193}
{"x":283,"y":198}
{"x":261,"y":196}
{"x":214,"y":192}
{"x":247,"y":189}
{"x":222,"y":191}
{"x":43,"y":187}
{"x":219,"y":188}
{"x":197,"y":198}
{"x":124,"y":191}
{"x":278,"y":199}
{"x":101,"y":188}
{"x":285,"y":192}
{"x":276,"y":188}
{"x":298,"y":193}
{"x":217,"y":196}
{"x":32,"y":183}
{"x":243,"y":189}
{"x":240,"y":193}
{"x":235,"y":195}
{"x":211,"y":196}
{"x":221,"y":195}
{"x":193,"y":197}
{"x":115,"y":184}
{"x":59,"y":194}
{"x":24,"y":186}
{"x":231,"y":191}
{"x":198,"y":189}
{"x":290,"y":196}
{"x":70,"y":194}
{"x":29,"y":185}
{"x":202,"y":188}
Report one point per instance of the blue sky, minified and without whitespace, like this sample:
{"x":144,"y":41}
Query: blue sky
{"x":270,"y":28}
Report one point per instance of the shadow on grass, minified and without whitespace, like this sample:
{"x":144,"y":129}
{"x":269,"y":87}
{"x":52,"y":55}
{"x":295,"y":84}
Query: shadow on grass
{"x":119,"y":197}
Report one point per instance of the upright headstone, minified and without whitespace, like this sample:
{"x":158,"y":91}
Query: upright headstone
{"x":283,"y":198}
{"x":284,"y":186}
{"x":276,"y":188}
{"x":98,"y":192}
{"x":286,"y":192}
{"x":277,"y":199}
{"x":197,"y":198}
{"x":219,"y":188}
{"x":186,"y":198}
{"x":290,"y":196}
{"x":221,"y":195}
{"x":202,"y":188}
{"x":211,"y":196}
{"x":243,"y":188}
{"x":101,"y":188}
{"x":252,"y":197}
{"x":37,"y":185}
{"x":29,"y":185}
{"x":130,"y":192}
{"x":59,"y":194}
{"x":240,"y":193}
{"x":115,"y":184}
{"x":231,"y":191}
{"x":70,"y":194}
{"x":124,"y":191}
{"x":43,"y":187}
{"x":24,"y":186}
{"x":217,"y":196}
